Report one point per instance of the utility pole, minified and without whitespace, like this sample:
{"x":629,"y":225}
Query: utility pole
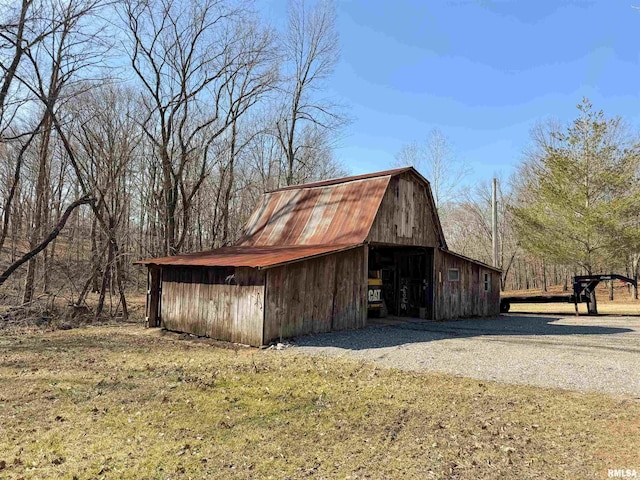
{"x":494,"y":220}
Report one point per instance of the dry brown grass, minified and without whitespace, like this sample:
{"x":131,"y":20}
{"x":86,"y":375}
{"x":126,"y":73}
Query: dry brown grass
{"x":124,"y":402}
{"x":49,"y":313}
{"x":630,"y":308}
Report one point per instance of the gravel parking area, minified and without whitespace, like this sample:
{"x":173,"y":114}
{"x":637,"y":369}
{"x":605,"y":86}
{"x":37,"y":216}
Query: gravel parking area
{"x":576,"y":353}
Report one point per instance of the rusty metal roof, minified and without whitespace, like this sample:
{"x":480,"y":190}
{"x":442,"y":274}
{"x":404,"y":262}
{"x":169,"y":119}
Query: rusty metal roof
{"x":247,"y":256}
{"x":303,"y":221}
{"x":336,"y":213}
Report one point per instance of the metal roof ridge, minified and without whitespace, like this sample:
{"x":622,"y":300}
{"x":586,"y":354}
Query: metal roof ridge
{"x":351,"y":178}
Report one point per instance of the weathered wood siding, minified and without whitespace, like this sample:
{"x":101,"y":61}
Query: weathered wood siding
{"x":196,"y":300}
{"x":318,"y":295}
{"x":466,"y":297}
{"x":405,"y":216}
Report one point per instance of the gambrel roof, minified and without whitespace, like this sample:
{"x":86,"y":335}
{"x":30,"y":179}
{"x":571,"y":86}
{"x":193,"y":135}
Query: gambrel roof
{"x":332,"y":212}
{"x":302,"y":221}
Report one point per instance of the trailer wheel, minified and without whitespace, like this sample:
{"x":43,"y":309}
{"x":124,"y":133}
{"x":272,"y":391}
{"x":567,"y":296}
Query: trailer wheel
{"x":504,"y":307}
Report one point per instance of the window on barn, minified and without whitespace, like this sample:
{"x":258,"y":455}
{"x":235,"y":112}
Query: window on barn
{"x":487,"y":282}
{"x":453,"y":275}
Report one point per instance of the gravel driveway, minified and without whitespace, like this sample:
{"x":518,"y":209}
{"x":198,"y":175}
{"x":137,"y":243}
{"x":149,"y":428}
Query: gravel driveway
{"x":576,"y":353}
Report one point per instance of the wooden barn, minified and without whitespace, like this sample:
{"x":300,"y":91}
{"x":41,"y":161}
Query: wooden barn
{"x":308,"y":257}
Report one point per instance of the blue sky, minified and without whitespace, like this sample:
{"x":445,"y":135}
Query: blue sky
{"x":482,"y":71}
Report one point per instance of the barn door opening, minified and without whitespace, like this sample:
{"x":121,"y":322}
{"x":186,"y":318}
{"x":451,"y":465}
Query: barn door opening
{"x":401,"y":282}
{"x":154,"y":284}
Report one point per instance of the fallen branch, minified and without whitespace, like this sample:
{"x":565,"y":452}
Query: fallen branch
{"x":87,"y":199}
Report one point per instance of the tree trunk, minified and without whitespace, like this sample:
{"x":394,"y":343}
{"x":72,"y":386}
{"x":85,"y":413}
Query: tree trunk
{"x":230,"y":180}
{"x":36,"y":227}
{"x":105,"y":279}
{"x":14,"y":188}
{"x":120,"y":281}
{"x":170,"y":203}
{"x":82,"y":298}
{"x":592,"y":304}
{"x":46,"y":266}
{"x":611,"y":290}
{"x":634,"y":265}
{"x":95,"y":259}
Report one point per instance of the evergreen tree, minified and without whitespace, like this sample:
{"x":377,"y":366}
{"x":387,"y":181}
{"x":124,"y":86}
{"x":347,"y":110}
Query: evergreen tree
{"x":579,"y":195}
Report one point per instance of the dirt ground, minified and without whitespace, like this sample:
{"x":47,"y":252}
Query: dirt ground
{"x":599,"y":354}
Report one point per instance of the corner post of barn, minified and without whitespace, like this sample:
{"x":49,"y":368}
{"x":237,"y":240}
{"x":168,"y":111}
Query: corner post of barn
{"x":365,"y":314}
{"x":153,"y":296}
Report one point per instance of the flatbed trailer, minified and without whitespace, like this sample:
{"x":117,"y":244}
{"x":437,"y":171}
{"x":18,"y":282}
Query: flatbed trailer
{"x":584,"y":291}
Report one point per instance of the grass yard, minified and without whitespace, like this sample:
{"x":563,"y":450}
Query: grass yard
{"x":125,"y":402}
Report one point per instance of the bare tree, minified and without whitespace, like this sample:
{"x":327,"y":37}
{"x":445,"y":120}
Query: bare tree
{"x":311,"y":51}
{"x":185,"y":54}
{"x":62,"y":46}
{"x":107,"y":137}
{"x":19,"y":33}
{"x":468,"y":227}
{"x":177,"y":165}
{"x":244,"y":87}
{"x":16,"y":37}
{"x":434,"y":158}
{"x":56,"y":64}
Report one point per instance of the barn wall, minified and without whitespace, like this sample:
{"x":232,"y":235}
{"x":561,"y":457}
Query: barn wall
{"x":317,"y":295}
{"x":405,"y":216}
{"x":466,"y":297}
{"x":196,"y":300}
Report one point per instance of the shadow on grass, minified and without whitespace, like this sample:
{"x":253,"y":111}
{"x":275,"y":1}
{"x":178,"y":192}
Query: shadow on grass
{"x":421,"y":331}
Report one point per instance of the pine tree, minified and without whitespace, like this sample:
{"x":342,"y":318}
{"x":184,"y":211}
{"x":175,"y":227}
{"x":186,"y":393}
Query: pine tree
{"x":579,"y":197}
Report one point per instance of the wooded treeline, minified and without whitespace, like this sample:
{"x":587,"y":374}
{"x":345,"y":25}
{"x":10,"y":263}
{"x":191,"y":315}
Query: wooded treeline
{"x":135,"y":129}
{"x":167,"y":119}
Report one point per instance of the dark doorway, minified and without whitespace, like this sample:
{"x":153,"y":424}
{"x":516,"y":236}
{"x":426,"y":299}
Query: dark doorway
{"x":407,"y":279}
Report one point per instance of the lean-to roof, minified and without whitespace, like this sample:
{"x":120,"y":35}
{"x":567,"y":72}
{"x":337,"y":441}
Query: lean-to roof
{"x":255,"y":257}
